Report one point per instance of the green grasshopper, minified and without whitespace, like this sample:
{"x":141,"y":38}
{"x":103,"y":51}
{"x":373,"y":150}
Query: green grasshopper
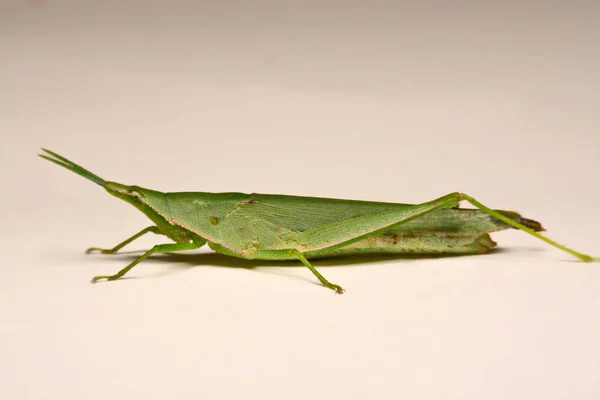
{"x":278,"y":227}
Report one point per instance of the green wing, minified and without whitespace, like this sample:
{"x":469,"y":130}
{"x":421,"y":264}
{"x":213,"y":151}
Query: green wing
{"x":301,"y":214}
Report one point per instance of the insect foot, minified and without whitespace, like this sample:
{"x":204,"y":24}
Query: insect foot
{"x":587,"y":258}
{"x":103,"y":251}
{"x":108,"y":278}
{"x":338,"y":289}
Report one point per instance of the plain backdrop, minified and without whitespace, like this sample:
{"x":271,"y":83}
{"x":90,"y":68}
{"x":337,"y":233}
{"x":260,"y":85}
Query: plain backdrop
{"x":375,"y":100}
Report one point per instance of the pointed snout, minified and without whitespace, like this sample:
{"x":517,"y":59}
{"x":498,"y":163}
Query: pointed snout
{"x":117,"y":188}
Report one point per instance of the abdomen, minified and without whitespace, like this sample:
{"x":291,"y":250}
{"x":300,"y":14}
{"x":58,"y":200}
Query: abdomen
{"x":404,"y":243}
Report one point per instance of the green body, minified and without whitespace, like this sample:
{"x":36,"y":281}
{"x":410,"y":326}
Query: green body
{"x":278,"y":227}
{"x":261,"y":226}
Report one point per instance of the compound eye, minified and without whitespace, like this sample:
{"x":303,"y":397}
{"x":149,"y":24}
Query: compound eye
{"x":137,"y":195}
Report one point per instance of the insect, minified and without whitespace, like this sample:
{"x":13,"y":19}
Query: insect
{"x":278,"y":227}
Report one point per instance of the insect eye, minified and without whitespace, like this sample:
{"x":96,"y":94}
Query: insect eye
{"x":136,"y":194}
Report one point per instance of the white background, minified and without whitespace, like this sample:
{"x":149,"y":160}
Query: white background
{"x":374,"y":100}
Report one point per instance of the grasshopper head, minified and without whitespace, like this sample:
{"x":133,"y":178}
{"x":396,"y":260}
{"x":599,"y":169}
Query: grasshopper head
{"x":131,"y":194}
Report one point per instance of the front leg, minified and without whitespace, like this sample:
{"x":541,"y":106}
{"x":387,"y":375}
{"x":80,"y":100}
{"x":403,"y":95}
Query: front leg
{"x":159,"y":248}
{"x":153,"y":229}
